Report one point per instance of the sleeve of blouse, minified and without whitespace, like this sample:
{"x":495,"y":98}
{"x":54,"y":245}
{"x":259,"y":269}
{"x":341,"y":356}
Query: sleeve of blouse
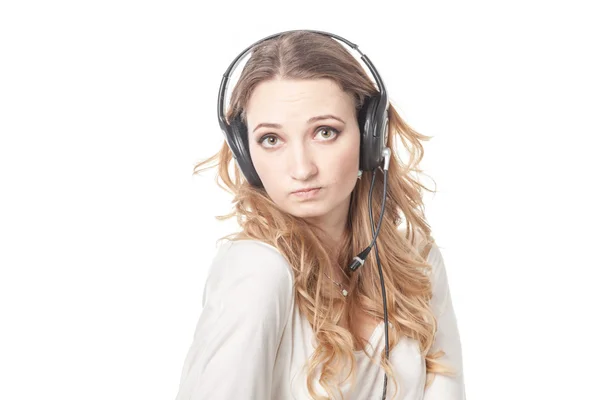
{"x":246,"y":302}
{"x":447,"y":337}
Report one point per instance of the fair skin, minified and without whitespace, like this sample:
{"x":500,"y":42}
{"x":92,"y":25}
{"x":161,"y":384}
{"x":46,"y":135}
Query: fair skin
{"x":290,"y":152}
{"x":300,"y":153}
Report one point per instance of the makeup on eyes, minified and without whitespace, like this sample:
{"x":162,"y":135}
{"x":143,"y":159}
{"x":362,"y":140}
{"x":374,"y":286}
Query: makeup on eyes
{"x":336,"y":132}
{"x":310,"y":121}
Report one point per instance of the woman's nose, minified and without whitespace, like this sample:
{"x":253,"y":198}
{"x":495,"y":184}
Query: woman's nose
{"x":303,"y":165}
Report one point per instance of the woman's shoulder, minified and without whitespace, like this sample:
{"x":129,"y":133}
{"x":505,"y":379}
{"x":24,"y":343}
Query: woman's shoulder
{"x":249,"y":248}
{"x":250,"y":274}
{"x":252,"y":260}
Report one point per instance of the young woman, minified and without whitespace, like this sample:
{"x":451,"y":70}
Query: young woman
{"x":289,"y":309}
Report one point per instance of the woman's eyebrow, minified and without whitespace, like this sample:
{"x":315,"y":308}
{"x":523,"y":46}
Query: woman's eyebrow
{"x":326,"y":116}
{"x":313,"y":119}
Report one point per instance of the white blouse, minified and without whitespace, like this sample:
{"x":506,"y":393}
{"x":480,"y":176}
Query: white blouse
{"x":251,"y":342}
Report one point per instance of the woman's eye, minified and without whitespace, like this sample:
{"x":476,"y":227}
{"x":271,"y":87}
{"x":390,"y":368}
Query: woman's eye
{"x":271,"y":140}
{"x":331,"y":132}
{"x":327,"y":133}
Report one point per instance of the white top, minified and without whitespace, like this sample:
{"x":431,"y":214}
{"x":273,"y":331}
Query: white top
{"x":251,"y":342}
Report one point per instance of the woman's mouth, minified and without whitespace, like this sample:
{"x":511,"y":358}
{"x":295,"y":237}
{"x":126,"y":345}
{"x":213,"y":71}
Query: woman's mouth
{"x":307,"y":193}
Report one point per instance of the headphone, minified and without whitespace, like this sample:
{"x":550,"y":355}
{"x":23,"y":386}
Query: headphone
{"x":373,"y":123}
{"x":372,"y":118}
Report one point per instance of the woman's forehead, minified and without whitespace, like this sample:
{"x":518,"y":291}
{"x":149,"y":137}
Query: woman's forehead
{"x":280,"y":101}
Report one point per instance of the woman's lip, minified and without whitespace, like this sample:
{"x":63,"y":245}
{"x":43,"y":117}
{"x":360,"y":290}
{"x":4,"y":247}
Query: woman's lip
{"x":306,"y":190}
{"x":307,"y":194}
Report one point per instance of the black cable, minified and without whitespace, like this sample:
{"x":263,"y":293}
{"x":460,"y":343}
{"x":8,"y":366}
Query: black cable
{"x":359,"y":260}
{"x":375,"y":235}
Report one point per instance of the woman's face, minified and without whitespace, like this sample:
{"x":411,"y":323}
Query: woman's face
{"x":291,"y":149}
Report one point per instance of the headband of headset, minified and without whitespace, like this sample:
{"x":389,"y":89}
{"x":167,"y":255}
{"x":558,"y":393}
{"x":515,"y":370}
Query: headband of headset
{"x":374,"y":114}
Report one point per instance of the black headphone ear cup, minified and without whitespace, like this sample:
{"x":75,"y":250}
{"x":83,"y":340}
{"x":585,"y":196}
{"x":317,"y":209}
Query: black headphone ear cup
{"x":371,"y":146}
{"x":238,"y":138}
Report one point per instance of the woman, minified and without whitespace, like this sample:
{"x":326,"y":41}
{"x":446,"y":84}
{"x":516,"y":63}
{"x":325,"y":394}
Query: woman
{"x":284,"y":317}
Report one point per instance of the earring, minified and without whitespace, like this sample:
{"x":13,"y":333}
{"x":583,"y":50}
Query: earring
{"x":359,"y":173}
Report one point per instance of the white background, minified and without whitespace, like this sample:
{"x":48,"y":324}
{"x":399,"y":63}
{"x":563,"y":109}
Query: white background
{"x":106,"y":236}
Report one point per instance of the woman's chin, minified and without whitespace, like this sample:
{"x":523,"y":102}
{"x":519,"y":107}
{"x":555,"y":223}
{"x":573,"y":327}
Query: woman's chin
{"x":307,"y":211}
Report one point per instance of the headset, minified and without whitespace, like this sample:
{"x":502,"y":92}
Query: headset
{"x":373,"y":123}
{"x":373,"y":119}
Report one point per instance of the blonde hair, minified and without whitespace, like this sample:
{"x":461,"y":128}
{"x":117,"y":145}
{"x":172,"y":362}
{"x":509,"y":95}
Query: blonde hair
{"x":306,"y":55}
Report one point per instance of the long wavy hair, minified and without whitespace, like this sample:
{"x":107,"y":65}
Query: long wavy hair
{"x":403,"y":252}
